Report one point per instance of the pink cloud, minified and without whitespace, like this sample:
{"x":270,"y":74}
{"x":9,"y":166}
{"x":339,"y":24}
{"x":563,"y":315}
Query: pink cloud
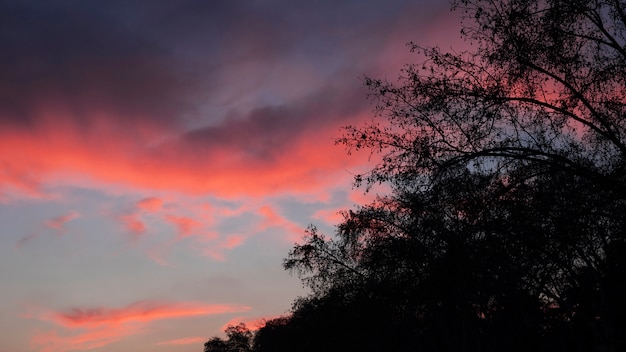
{"x":158,"y":253}
{"x":215,"y":248}
{"x":186,"y":226}
{"x":231,"y":211}
{"x":232,"y":242}
{"x":88,"y":328}
{"x":133,"y":223}
{"x":51,"y":341}
{"x":273,"y":219}
{"x":15,"y":178}
{"x":254,"y":323}
{"x":184,"y":341}
{"x":198,"y":225}
{"x":215,"y":160}
{"x":358,"y":196}
{"x":150,"y":204}
{"x":144,"y":311}
{"x":329,"y":216}
{"x":131,"y":130}
{"x":58,"y":223}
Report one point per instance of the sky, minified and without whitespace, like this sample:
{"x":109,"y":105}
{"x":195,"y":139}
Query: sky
{"x":159,"y":158}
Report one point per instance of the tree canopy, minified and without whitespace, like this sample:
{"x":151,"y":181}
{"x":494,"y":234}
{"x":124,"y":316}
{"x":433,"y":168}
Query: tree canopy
{"x":239,"y":339}
{"x":504,"y":228}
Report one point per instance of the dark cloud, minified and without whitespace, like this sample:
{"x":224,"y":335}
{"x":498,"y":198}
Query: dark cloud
{"x":160,"y":62}
{"x":269,"y":131}
{"x":81,"y":59}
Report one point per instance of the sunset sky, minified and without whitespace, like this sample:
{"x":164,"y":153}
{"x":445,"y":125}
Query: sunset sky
{"x":158,"y":159}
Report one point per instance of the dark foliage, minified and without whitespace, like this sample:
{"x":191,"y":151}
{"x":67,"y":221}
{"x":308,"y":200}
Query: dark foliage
{"x":239,"y":340}
{"x":504,"y":229}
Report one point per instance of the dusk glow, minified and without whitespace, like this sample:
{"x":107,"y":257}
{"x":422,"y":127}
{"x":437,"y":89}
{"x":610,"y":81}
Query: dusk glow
{"x":158,"y":159}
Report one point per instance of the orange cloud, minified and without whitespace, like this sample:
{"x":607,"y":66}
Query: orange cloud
{"x":96,"y":327}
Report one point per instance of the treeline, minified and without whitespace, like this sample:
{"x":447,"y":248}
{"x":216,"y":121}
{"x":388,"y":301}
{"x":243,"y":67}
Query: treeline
{"x":505,"y":227}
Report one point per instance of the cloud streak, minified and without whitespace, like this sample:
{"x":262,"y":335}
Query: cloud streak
{"x":183,"y":341}
{"x":88,"y":328}
{"x":144,"y":311}
{"x":58,"y":223}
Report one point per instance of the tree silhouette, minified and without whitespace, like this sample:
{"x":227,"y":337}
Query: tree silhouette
{"x":239,"y":339}
{"x":545,"y":87}
{"x":504,"y":227}
{"x":507,"y":171}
